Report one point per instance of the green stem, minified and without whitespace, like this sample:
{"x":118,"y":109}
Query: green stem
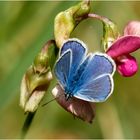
{"x":110,"y":31}
{"x":101,"y":18}
{"x":27,"y":124}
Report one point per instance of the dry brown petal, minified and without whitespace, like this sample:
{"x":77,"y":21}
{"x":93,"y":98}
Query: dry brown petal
{"x":79,"y":108}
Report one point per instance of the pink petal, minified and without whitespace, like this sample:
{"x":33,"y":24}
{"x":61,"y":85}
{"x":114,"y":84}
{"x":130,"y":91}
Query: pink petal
{"x":127,"y":65}
{"x":132,"y":28}
{"x":79,"y":108}
{"x":124,"y":45}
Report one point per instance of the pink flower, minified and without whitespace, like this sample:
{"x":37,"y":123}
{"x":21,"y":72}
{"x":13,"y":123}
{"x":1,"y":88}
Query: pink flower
{"x":120,"y":49}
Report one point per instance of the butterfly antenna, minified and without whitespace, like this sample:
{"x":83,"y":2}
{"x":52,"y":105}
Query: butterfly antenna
{"x":52,"y":100}
{"x":49,"y":101}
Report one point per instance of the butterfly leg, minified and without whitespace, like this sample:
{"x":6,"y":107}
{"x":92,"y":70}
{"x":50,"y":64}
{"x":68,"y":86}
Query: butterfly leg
{"x":68,"y":96}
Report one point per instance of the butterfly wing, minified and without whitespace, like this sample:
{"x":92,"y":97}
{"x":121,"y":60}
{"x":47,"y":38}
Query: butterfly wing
{"x":99,"y":64}
{"x":96,"y":90}
{"x":72,"y":54}
{"x":78,"y":49}
{"x":75,"y":82}
{"x":62,"y":68}
{"x":96,"y":82}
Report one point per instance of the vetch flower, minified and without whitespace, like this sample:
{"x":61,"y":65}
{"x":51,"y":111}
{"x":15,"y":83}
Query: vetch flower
{"x":121,"y":49}
{"x":126,"y":65}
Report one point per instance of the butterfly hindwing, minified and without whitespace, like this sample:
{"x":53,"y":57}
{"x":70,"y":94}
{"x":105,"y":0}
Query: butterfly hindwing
{"x":99,"y":64}
{"x":96,"y":90}
{"x":96,"y":83}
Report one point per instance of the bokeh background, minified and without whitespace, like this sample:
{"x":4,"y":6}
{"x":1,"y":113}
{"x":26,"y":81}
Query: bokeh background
{"x":24,"y":28}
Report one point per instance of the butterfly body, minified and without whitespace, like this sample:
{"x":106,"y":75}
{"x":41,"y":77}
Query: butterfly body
{"x":85,"y":77}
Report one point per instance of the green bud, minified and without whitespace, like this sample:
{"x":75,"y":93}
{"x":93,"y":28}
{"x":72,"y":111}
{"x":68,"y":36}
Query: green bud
{"x":66,"y":21}
{"x":110,"y":33}
{"x":40,"y":62}
{"x":46,"y":58}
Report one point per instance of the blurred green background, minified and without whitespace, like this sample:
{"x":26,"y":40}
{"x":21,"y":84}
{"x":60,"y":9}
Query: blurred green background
{"x":24,"y":28}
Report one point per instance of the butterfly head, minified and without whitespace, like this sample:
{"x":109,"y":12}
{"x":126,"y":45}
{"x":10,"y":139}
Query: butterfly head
{"x":68,"y":96}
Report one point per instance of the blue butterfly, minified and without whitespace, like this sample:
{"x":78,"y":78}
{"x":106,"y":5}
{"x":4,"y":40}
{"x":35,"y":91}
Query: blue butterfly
{"x":86,"y":77}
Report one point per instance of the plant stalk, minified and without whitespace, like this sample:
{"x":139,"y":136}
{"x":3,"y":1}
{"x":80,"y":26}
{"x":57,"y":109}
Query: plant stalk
{"x":27,"y":124}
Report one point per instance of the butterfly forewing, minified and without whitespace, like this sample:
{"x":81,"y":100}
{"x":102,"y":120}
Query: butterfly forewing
{"x":62,"y":68}
{"x":78,"y":53}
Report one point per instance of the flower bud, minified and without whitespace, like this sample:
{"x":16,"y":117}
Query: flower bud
{"x":110,"y":33}
{"x":66,"y":21}
{"x":127,"y":65}
{"x":132,"y":28}
{"x":33,"y":88}
{"x":46,"y":58}
{"x":79,"y":108}
{"x":37,"y":78}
